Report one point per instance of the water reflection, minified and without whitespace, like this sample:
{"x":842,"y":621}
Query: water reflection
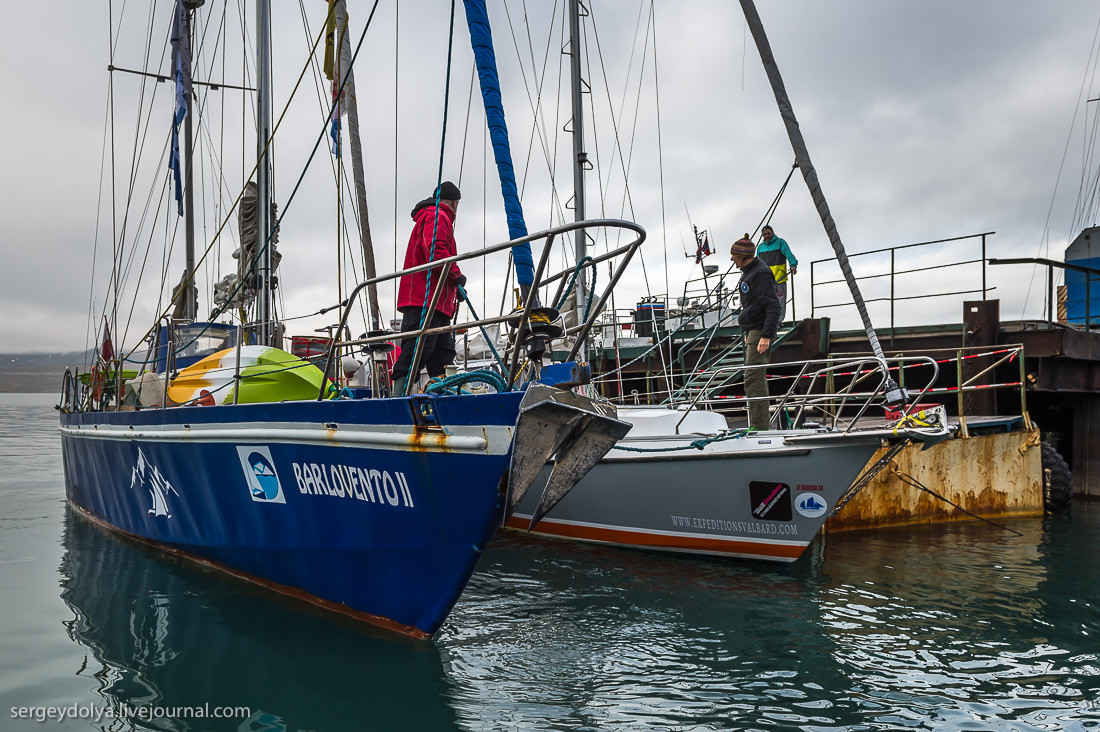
{"x":966,"y":623}
{"x":161,"y":632}
{"x":555,"y":635}
{"x":964,"y":627}
{"x":958,"y":627}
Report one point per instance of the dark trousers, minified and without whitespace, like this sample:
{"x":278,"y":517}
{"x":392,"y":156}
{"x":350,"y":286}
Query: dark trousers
{"x":438,"y":349}
{"x":756,"y":387}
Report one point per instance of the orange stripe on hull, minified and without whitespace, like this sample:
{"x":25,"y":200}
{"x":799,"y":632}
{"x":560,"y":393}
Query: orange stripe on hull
{"x":675,"y":542}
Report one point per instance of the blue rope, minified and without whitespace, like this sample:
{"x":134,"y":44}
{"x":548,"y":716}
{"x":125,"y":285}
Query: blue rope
{"x":591,"y":292}
{"x":453,"y":384}
{"x":572,"y":282}
{"x":696,"y":444}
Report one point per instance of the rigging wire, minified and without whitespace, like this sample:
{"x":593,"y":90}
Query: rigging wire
{"x":118,"y":243}
{"x":1087,"y":199}
{"x":108,"y":123}
{"x":766,"y":219}
{"x":537,"y":126}
{"x":341,"y":178}
{"x":199,"y":116}
{"x":228,"y":215}
{"x":616,"y":120}
{"x":466,"y":126}
{"x":660,"y":146}
{"x":535,"y":104}
{"x":1044,"y":243}
{"x":425,"y":316}
{"x":312,"y":155}
{"x":396,"y":129}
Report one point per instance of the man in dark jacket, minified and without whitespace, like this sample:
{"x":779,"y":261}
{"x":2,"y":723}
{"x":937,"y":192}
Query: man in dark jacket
{"x":432,"y":239}
{"x":759,"y":320}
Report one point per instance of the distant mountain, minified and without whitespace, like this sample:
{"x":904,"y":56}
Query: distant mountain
{"x":37,"y":372}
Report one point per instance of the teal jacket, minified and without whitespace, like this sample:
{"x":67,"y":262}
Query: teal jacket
{"x":776,"y":254}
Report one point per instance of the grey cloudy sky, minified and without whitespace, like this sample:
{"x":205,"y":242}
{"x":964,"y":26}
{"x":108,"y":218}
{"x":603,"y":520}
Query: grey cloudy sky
{"x":925,"y":120}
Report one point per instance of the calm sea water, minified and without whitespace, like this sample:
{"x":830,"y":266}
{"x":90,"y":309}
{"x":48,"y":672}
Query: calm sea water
{"x":958,"y":628}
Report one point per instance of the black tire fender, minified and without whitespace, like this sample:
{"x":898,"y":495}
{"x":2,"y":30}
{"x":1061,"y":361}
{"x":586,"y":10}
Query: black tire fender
{"x":1057,"y":481}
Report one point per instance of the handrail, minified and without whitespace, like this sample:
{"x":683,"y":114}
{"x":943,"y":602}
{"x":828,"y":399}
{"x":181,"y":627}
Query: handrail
{"x":863,"y":380}
{"x":626,"y":251}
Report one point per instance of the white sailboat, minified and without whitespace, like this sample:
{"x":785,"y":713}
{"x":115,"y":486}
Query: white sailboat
{"x":683,"y":480}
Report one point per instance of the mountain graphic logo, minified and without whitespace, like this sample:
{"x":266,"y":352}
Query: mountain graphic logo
{"x":268,"y":482}
{"x":259,"y":472}
{"x":148,"y":477}
{"x":811,"y":506}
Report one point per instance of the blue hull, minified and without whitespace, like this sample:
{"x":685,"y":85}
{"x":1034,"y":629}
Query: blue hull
{"x":351,"y":504}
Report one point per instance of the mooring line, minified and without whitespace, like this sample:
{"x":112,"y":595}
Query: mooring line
{"x":906,"y":478}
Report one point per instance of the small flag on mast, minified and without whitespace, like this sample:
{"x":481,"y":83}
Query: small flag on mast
{"x":107,"y":347}
{"x":181,"y":71}
{"x":100,"y":369}
{"x":702,"y":248}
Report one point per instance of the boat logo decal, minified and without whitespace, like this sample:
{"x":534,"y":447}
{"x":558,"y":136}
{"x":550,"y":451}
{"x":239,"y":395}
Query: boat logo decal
{"x":811,"y":506}
{"x":259,"y":473}
{"x":147,"y":476}
{"x":770,"y":501}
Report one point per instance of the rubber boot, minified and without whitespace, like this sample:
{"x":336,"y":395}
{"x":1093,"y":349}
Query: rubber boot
{"x":399,"y":386}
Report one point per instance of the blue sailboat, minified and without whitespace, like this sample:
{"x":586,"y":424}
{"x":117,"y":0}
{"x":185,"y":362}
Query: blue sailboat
{"x":372,"y":505}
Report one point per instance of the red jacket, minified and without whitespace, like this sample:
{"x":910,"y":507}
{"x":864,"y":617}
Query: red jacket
{"x":413,"y":291}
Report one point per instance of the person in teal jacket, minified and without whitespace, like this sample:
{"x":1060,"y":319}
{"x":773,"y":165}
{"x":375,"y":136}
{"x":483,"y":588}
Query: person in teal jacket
{"x":775,"y":253}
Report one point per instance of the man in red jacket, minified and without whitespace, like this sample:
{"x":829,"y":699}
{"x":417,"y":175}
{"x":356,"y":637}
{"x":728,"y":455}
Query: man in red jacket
{"x":432,"y":239}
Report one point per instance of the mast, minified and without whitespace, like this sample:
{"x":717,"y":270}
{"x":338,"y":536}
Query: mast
{"x":802,"y":161}
{"x":580,"y":158}
{"x":190,"y":304}
{"x":264,"y":302}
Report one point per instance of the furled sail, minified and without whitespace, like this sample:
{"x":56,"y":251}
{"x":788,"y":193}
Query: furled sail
{"x":228,"y":289}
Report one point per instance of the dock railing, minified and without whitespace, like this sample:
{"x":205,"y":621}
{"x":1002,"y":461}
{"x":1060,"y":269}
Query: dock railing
{"x":898,"y":272}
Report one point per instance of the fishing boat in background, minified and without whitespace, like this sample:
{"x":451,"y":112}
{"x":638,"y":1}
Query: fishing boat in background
{"x":225,"y":448}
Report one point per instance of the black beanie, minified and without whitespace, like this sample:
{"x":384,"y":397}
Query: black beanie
{"x":448,"y":191}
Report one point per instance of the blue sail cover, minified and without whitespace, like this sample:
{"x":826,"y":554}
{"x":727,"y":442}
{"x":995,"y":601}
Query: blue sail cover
{"x":481,"y":38}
